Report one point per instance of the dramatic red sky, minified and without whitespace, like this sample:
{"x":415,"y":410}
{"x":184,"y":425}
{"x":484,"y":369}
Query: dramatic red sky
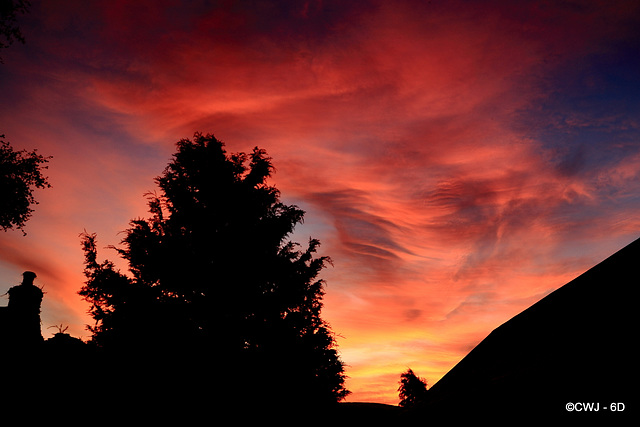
{"x":458,"y":160}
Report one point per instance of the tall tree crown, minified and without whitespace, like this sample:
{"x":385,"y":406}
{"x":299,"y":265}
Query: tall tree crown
{"x":213,"y":266}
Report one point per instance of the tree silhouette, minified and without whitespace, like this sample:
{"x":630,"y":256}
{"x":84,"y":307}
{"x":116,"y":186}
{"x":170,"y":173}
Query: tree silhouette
{"x":20,"y":174}
{"x":9,"y":30}
{"x":213,"y":274}
{"x":412,"y":390}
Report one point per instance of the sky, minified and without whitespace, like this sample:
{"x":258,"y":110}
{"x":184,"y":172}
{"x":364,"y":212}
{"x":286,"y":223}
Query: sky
{"x":458,"y":160}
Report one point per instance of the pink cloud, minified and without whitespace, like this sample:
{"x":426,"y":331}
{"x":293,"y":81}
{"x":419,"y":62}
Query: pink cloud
{"x":398,"y":127}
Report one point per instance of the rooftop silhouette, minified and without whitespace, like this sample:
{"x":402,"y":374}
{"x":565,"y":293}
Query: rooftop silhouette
{"x":574,"y":345}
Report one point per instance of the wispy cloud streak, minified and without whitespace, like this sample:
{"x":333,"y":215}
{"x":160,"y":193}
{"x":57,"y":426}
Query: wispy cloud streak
{"x":457,"y":160}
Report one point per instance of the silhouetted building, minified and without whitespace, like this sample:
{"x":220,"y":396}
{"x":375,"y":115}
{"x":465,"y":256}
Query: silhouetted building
{"x":576,"y":346}
{"x":20,"y":320}
{"x":37,"y":373}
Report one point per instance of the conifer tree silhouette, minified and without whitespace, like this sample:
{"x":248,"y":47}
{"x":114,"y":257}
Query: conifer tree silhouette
{"x":213,"y":276}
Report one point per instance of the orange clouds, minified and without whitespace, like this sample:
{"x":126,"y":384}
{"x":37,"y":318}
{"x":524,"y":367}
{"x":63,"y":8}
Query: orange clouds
{"x":454,"y":158}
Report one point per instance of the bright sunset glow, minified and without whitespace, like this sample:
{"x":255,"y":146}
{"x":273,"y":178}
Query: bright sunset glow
{"x":457,"y":160}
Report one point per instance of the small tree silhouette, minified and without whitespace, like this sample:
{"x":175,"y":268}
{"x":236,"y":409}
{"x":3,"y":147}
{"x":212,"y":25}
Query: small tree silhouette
{"x":20,"y":174}
{"x":412,"y":390}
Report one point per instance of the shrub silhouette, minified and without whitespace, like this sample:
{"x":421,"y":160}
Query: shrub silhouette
{"x":216,"y":291}
{"x":412,"y":390}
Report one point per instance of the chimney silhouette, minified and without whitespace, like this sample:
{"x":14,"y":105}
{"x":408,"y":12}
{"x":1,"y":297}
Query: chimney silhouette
{"x":21,"y":318}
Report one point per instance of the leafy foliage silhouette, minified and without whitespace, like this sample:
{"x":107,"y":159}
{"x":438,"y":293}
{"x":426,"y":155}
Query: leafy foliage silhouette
{"x":213,"y":275}
{"x":9,"y":30}
{"x":20,"y":175}
{"x":412,"y":390}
